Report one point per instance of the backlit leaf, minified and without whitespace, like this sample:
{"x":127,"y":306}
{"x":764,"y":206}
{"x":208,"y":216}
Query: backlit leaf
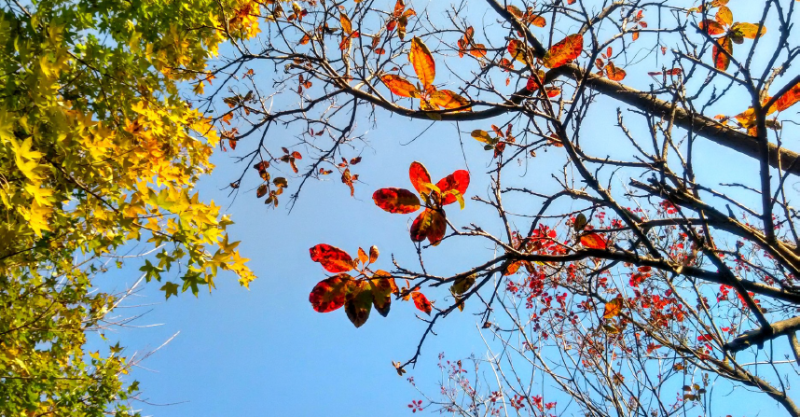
{"x":711,"y":27}
{"x":449,"y":100}
{"x":347,"y":26}
{"x":517,"y":50}
{"x":358,"y":302}
{"x":400,"y":86}
{"x":422,"y":61}
{"x":373,"y":254}
{"x":593,"y":240}
{"x":721,"y":60}
{"x":724,"y":16}
{"x":429,"y":224}
{"x":419,"y":177}
{"x":396,"y":200}
{"x":564,"y":52}
{"x":362,"y":256}
{"x":332,"y":258}
{"x":462,"y":285}
{"x":329,"y":294}
{"x":791,"y":97}
{"x":614,"y":73}
{"x":613,"y":308}
{"x":381,"y":295}
{"x":747,"y":30}
{"x":458,"y":180}
{"x":482,"y":136}
{"x":422,"y":303}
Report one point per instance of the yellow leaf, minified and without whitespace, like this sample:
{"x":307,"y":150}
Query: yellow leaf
{"x":422,"y":61}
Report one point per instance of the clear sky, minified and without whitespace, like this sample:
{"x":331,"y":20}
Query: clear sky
{"x":265,"y":352}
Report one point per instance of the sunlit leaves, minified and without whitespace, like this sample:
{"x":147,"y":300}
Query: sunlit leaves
{"x":790,"y":98}
{"x":357,"y":293}
{"x":358,"y":302}
{"x":422,"y":61}
{"x":421,"y":302}
{"x":419,"y":176}
{"x":449,"y":100}
{"x":746,"y":30}
{"x":517,"y":50}
{"x":400,"y":86}
{"x":329,"y":294}
{"x":593,"y":240}
{"x":564,"y":51}
{"x":612,"y":308}
{"x":431,"y":223}
{"x":721,"y":59}
{"x":332,"y":258}
{"x":458,"y":181}
{"x":396,"y":200}
{"x":614,"y":73}
{"x":732,"y":33}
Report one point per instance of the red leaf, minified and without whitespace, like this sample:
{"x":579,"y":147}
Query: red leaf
{"x":422,"y":303}
{"x":430,"y":224}
{"x":419,"y":177}
{"x":593,"y":241}
{"x":721,"y":61}
{"x":332,"y":258}
{"x":329,"y":294}
{"x":396,"y":200}
{"x":458,"y":180}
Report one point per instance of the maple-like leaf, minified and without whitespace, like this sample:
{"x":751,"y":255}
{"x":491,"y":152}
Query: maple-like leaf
{"x":613,"y":308}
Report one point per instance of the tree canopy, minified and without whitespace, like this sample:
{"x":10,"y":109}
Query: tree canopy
{"x":629,"y":264}
{"x":99,"y":154}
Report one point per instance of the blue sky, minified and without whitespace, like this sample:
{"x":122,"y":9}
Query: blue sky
{"x":265,"y":352}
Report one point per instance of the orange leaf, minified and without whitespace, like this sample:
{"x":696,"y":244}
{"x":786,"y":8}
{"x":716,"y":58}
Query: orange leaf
{"x":347,"y":26}
{"x":552,"y":91}
{"x":359,"y":303}
{"x":593,"y":240}
{"x":400,"y":86}
{"x":430,"y":224}
{"x":329,"y":294}
{"x":396,"y":200}
{"x":362,"y":256}
{"x":791,"y":97}
{"x":422,"y":61}
{"x":613,"y":308}
{"x":419,"y":177}
{"x":564,"y":52}
{"x":711,"y":27}
{"x":422,"y":303}
{"x":449,"y":100}
{"x":512,"y":268}
{"x":721,"y":60}
{"x":538,"y":21}
{"x":724,"y":16}
{"x":373,"y":254}
{"x":332,"y":258}
{"x":458,"y":180}
{"x":614,"y":73}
